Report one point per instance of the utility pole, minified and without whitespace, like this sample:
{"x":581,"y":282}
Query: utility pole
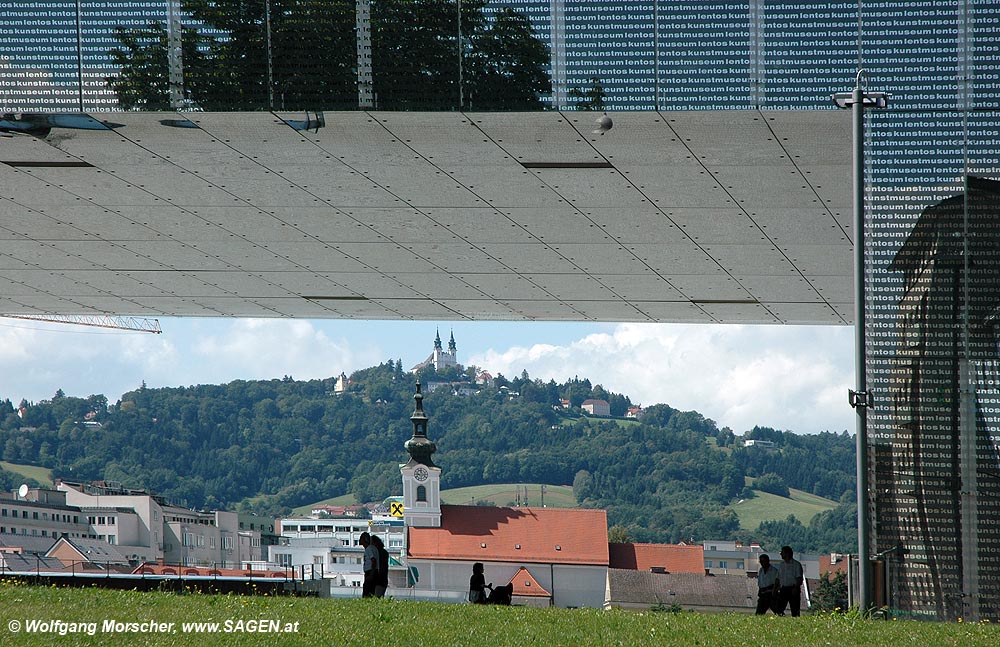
{"x":861,"y":399}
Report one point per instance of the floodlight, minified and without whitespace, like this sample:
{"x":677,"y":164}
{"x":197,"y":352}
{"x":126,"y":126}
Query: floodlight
{"x":604,"y":124}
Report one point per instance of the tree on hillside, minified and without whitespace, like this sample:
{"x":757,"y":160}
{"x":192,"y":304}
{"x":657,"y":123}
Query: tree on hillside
{"x":618,"y":535}
{"x":771,"y":483}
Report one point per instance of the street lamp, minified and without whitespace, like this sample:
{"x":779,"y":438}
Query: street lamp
{"x":857,"y":100}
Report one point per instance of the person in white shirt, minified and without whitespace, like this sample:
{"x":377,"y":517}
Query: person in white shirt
{"x":767,"y":586}
{"x":790,"y":583}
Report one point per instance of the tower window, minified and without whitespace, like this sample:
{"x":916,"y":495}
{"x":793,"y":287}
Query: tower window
{"x":421,"y":493}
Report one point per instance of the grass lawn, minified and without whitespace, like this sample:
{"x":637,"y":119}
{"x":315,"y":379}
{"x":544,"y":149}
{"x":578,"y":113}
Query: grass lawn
{"x":768,"y":507}
{"x":41,"y":474}
{"x":389,"y":623}
{"x":557,"y":496}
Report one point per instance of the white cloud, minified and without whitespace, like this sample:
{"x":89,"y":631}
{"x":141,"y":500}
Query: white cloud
{"x":740,"y":376}
{"x":268,"y":348}
{"x":38,"y":359}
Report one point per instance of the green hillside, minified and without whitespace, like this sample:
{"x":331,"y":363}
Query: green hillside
{"x":272,"y":446}
{"x":556,"y":496}
{"x":40,"y":474}
{"x":771,"y":507}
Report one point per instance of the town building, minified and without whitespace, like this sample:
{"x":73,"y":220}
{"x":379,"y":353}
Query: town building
{"x":645,"y":590}
{"x":328,"y":547}
{"x":552,"y":556}
{"x":724,"y":557}
{"x":599,"y":408}
{"x":657,"y":558}
{"x":42,"y":513}
{"x":146,"y":528}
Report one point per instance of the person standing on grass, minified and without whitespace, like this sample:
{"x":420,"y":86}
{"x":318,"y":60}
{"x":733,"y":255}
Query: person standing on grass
{"x":369,"y":565}
{"x":767,"y":586}
{"x":790,"y":580}
{"x":382,"y":576}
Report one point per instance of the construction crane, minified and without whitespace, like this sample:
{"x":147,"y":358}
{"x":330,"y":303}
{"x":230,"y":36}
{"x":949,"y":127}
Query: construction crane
{"x":138,"y":324}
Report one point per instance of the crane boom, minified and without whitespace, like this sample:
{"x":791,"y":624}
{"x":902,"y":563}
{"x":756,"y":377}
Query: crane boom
{"x":138,"y":324}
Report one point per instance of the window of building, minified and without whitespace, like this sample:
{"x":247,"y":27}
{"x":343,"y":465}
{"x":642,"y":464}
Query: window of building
{"x":112,"y":539}
{"x":227,"y":543}
{"x":3,"y":512}
{"x":284,"y":559}
{"x":723,"y":564}
{"x":34,"y":515}
{"x":421,"y":493}
{"x":708,"y":563}
{"x":24,"y":514}
{"x":317,"y":559}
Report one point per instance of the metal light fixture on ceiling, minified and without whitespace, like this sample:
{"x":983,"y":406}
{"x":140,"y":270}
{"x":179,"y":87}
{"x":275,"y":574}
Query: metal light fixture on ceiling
{"x":604,"y":124}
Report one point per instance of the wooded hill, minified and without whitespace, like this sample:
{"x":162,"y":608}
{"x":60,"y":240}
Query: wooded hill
{"x":273,"y":445}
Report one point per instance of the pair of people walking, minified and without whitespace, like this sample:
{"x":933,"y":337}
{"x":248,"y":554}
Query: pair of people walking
{"x":780,"y":586}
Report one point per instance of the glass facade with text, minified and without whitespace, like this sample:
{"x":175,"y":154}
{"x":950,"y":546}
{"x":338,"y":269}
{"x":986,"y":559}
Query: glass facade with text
{"x":932,"y":172}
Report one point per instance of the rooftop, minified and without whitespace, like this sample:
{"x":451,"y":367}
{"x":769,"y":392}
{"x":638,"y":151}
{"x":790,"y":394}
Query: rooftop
{"x":525,"y":535}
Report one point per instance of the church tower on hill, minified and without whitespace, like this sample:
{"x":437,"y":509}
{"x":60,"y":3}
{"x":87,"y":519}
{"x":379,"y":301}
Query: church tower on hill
{"x":439,"y":357}
{"x":421,"y":477}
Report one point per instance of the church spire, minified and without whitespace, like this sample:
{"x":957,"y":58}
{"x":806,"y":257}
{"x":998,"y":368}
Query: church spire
{"x":437,"y":341}
{"x":419,"y":447}
{"x":451,"y":344}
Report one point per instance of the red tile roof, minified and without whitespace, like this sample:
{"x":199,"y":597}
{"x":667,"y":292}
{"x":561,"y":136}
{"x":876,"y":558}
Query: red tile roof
{"x":526,"y":585}
{"x":827,"y":565}
{"x":670,"y":557}
{"x":526,"y":535}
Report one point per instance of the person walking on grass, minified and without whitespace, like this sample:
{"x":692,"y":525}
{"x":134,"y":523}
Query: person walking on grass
{"x":790,"y":580}
{"x":767,"y":586}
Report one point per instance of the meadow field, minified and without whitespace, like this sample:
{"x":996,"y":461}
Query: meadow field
{"x":32,"y":615}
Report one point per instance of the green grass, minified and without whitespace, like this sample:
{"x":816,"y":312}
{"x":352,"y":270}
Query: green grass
{"x":41,"y":474}
{"x":770,"y":507}
{"x":389,"y":623}
{"x":557,"y":496}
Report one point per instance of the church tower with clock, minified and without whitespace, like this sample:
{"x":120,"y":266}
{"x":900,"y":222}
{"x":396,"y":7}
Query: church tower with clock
{"x":421,"y":477}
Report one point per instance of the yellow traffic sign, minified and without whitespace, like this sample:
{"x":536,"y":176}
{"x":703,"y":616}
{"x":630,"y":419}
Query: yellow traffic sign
{"x":396,"y":509}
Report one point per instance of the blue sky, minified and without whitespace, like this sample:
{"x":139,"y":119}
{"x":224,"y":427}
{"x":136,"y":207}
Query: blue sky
{"x":788,"y":377}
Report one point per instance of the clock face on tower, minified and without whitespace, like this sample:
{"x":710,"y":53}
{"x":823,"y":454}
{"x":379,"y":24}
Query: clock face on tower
{"x":421,"y":473}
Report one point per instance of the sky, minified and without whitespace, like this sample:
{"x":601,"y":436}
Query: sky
{"x":785,"y":377}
